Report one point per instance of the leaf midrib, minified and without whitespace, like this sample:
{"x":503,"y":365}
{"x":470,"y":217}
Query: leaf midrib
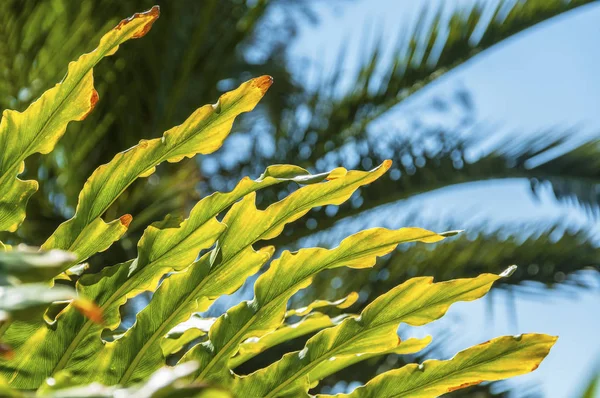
{"x":274,"y":225}
{"x":81,"y":334}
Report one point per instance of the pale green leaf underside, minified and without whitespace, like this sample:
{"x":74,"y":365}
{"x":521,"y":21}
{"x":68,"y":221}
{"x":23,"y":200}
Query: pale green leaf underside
{"x":165,"y":382}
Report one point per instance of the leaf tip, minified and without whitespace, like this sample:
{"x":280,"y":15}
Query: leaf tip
{"x":125,"y":220}
{"x":153,"y":15}
{"x":509,"y":271}
{"x":448,"y":234}
{"x":350,"y":299}
{"x":154,"y":11}
{"x":263,"y":83}
{"x":268,"y":250}
{"x":387,"y":164}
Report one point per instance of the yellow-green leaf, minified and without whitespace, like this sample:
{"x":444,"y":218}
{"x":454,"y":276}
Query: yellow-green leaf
{"x":287,"y":275}
{"x":416,"y":302}
{"x":497,"y":359}
{"x":403,"y":347}
{"x":202,"y":133}
{"x":162,"y":249}
{"x":132,"y":357}
{"x":44,"y":122}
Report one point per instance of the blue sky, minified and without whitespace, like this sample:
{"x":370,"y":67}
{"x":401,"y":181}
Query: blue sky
{"x":547,"y":76}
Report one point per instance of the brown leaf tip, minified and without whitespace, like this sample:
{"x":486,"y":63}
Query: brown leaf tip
{"x":263,"y":83}
{"x":152,"y":13}
{"x":126,"y":220}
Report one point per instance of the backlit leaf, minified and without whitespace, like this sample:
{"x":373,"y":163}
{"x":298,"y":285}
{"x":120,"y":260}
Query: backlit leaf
{"x":44,"y":122}
{"x":342,"y":303}
{"x":497,"y":359}
{"x":202,"y":133}
{"x":162,"y":249}
{"x":133,"y":356}
{"x":287,"y":275}
{"x":416,"y":302}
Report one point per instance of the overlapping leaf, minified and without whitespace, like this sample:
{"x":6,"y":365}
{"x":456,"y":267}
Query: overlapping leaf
{"x":23,"y":297}
{"x":133,"y":356}
{"x":162,"y":249}
{"x":44,"y":122}
{"x":28,"y":265}
{"x":287,"y":275}
{"x":72,"y":350}
{"x":497,"y":359}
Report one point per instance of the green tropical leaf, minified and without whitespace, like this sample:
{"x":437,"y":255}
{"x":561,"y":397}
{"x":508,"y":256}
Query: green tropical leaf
{"x":416,"y":302}
{"x":27,"y":302}
{"x":203,"y":132}
{"x":546,"y":256}
{"x":133,"y":356}
{"x":497,"y":359}
{"x":23,"y":298}
{"x":404,"y":347}
{"x":287,"y":275}
{"x":162,"y":249}
{"x":45,"y":121}
{"x":182,"y":267}
{"x":6,"y":391}
{"x":28,"y":265}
